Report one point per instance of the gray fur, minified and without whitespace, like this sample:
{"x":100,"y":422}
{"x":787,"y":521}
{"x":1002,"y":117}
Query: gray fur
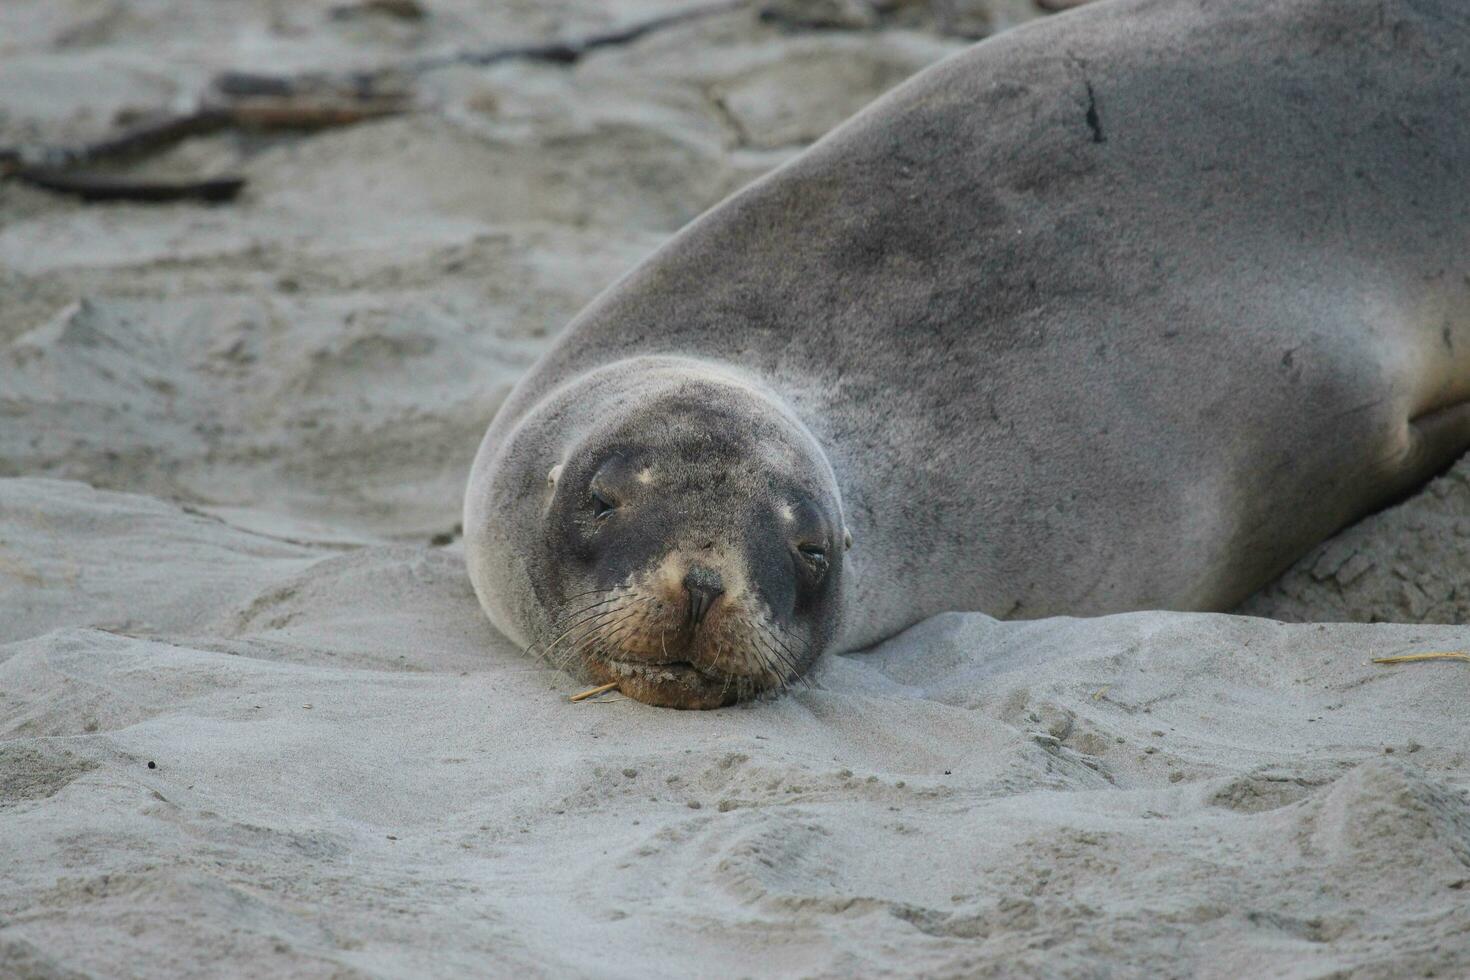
{"x":1123,"y":309}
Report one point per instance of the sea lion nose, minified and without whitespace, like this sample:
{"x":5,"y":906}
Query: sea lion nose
{"x":704,"y":587}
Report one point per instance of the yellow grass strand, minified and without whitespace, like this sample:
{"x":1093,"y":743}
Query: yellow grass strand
{"x":1409,"y":658}
{"x":593,"y":692}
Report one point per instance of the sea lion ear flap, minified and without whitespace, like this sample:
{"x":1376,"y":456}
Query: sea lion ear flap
{"x":553,"y":476}
{"x":846,"y":539}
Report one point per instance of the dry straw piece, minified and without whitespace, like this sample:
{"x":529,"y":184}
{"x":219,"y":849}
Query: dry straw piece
{"x":1409,"y":658}
{"x":593,"y":692}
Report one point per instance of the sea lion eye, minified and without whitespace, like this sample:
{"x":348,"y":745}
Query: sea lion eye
{"x":601,"y":506}
{"x":815,"y":555}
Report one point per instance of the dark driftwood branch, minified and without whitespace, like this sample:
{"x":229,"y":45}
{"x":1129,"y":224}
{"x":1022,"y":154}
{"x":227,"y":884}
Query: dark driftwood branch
{"x":566,"y":51}
{"x":315,"y":100}
{"x":66,"y":169}
{"x":105,"y":187}
{"x":305,"y":112}
{"x":131,"y":143}
{"x":573,"y":49}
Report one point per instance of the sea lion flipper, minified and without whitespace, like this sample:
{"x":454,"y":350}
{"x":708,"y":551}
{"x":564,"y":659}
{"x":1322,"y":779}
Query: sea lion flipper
{"x":1436,"y":439}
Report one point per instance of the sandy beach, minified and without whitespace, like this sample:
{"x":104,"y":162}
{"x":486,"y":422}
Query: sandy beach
{"x":253,"y":722}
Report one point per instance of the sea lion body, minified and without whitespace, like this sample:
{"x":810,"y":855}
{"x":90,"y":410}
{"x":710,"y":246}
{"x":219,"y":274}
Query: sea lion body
{"x":1124,"y":309}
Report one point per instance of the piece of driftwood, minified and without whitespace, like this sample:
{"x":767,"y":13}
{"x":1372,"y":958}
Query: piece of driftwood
{"x":370,"y":81}
{"x":314,"y":100}
{"x":401,"y":9}
{"x":90,"y":186}
{"x":307,"y":112}
{"x":74,"y":169}
{"x":130,"y":143}
{"x":572,"y":49}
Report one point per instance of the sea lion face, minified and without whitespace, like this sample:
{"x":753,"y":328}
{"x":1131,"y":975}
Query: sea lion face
{"x":691,"y":553}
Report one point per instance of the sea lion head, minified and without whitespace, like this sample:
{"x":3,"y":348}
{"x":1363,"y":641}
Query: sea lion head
{"x":679,"y":532}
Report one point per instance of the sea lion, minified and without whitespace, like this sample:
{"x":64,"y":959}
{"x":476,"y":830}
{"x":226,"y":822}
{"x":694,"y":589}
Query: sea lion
{"x":1123,"y":309}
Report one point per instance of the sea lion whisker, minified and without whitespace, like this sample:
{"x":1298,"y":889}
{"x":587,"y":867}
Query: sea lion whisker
{"x":754,"y":650}
{"x":807,"y":681}
{"x":769,"y":634}
{"x":789,"y":658}
{"x":579,"y":595}
{"x":591,"y":605}
{"x":586,"y":626}
{"x":797,"y":673}
{"x":563,"y":624}
{"x":604,"y":641}
{"x":783,"y":631}
{"x":768,"y":665}
{"x":546,"y":651}
{"x":806,"y":646}
{"x":595,"y":628}
{"x":601,"y":641}
{"x":565,"y":620}
{"x":769,"y":655}
{"x":786,"y":676}
{"x":772,"y":666}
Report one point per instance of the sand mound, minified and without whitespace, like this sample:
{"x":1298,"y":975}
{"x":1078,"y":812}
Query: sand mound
{"x":343,"y":767}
